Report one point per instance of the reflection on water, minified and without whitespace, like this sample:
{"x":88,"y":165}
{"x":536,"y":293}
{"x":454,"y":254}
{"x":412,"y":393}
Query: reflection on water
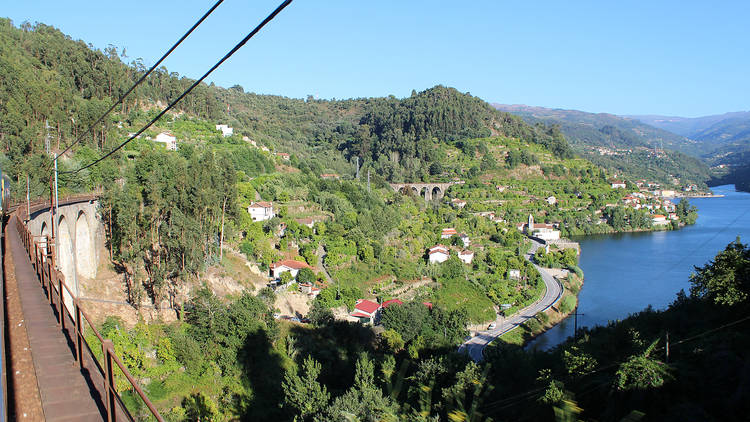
{"x":624,"y":273}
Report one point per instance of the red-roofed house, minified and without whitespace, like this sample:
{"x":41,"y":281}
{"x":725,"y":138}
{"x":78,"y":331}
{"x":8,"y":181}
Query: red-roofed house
{"x":427,"y":304}
{"x":659,"y":220}
{"x":388,"y":303}
{"x":283,"y":155}
{"x":366,"y":311}
{"x":285,"y":265}
{"x":438,"y":254}
{"x":261,"y":211}
{"x":447,"y":233}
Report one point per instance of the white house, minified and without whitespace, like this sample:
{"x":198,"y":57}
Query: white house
{"x":261,"y":211}
{"x":438,"y":254}
{"x":225,"y":130}
{"x":551,"y":200}
{"x":659,"y":220}
{"x":448,"y":233}
{"x":458,"y":203}
{"x":169,"y":140}
{"x":514,"y":274}
{"x":465,"y":239}
{"x":366,"y":310}
{"x":466,"y":256}
{"x":618,"y":184}
{"x":290,"y":265}
{"x":542,"y":231}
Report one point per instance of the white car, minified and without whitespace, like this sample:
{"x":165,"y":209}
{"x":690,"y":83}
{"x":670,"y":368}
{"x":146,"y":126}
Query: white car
{"x":492,"y":326}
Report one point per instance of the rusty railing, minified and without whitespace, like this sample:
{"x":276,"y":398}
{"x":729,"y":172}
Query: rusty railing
{"x":42,"y":257}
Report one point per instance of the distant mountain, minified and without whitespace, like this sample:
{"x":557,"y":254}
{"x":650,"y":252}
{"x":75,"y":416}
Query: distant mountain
{"x":602,"y":129}
{"x":621,"y":144}
{"x":689,"y":127}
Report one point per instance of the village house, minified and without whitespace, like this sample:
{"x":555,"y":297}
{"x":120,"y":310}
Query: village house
{"x":169,"y":140}
{"x":388,"y":303}
{"x":465,"y":239}
{"x":438,"y":254}
{"x":309,"y":289}
{"x":466,"y":256}
{"x":659,"y":220}
{"x":541,"y":231}
{"x":448,"y":233}
{"x":283,"y":155}
{"x":287,"y":265}
{"x":618,"y":184}
{"x":226,"y":131}
{"x":366,"y":311}
{"x":261,"y":211}
{"x":458,"y":203}
{"x":329,"y":176}
{"x":514,"y":274}
{"x":309,"y":222}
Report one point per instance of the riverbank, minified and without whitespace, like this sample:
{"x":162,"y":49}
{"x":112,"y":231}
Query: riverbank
{"x":628,"y":272}
{"x":543,"y":321}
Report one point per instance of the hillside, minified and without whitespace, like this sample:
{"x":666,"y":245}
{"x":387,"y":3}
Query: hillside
{"x":723,"y":141}
{"x":621,"y":145}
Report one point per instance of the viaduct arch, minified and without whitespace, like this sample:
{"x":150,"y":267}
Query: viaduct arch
{"x":80,"y":237}
{"x":428,"y":191}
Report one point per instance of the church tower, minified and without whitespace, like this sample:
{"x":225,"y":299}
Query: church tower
{"x":530,"y":226}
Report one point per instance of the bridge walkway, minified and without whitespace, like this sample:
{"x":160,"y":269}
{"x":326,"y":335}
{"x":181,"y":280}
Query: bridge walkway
{"x":68,"y":393}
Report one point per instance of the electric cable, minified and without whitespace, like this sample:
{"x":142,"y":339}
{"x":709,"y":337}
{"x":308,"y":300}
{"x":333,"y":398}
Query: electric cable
{"x":141,"y":79}
{"x":186,"y":92}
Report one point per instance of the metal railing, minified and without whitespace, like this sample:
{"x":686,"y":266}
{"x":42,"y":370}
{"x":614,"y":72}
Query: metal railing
{"x":42,"y":258}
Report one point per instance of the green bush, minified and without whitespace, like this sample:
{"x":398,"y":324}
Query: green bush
{"x":542,"y":317}
{"x":568,"y":304}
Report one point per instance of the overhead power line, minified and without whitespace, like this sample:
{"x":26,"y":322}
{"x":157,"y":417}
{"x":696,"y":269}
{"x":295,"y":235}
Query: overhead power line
{"x":187,"y":91}
{"x":142,"y":78}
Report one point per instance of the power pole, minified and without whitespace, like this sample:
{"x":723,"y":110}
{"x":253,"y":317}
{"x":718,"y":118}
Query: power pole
{"x":28,"y":202}
{"x":575,"y":322}
{"x":666,"y":359}
{"x":46,"y":135}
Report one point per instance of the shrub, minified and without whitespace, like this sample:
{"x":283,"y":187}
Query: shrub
{"x":568,"y":304}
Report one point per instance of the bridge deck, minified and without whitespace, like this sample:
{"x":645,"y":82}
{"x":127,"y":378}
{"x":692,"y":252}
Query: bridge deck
{"x":67,"y":392}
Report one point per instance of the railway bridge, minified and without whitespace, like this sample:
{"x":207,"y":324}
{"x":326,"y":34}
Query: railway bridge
{"x":58,"y":366}
{"x":428,"y":191}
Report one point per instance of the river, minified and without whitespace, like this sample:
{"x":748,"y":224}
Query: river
{"x":624,"y":273}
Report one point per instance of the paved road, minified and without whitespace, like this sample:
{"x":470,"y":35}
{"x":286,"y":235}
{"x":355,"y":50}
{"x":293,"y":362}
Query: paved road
{"x":475,"y":345}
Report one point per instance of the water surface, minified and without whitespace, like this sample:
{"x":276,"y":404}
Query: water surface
{"x":624,"y":273}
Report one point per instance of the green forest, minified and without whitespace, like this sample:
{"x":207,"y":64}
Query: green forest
{"x":173,"y":218}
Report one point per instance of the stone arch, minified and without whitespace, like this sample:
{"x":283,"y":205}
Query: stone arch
{"x":437,"y":192}
{"x":425,"y":193}
{"x":65,"y":258}
{"x":44,"y":232}
{"x":414,"y":190}
{"x":85,"y":252}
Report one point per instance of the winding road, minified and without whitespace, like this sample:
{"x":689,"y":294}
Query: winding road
{"x":475,"y":345}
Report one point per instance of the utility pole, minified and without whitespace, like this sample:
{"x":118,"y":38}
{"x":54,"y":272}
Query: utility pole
{"x":666,"y":359}
{"x":46,"y":135}
{"x":28,"y":202}
{"x":575,"y":322}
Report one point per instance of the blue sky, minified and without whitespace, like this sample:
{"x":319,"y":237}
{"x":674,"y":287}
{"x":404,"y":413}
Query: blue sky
{"x":686,"y":58}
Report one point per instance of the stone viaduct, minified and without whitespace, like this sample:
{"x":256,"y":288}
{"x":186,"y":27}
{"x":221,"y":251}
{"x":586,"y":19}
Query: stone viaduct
{"x":429,"y":191}
{"x":80,"y":237}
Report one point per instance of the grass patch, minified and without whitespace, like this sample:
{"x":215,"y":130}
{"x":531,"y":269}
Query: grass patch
{"x":460,"y":294}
